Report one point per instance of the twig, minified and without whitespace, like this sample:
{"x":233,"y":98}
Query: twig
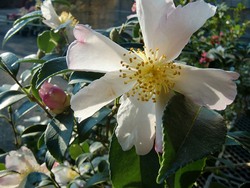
{"x":239,"y":165}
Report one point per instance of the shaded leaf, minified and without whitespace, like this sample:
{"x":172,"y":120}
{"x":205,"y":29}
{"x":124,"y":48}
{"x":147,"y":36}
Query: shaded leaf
{"x":58,"y":135}
{"x":51,"y":68}
{"x":29,"y":15}
{"x":242,"y":138}
{"x":82,"y":158}
{"x":38,"y":128}
{"x":2,"y":166}
{"x":8,"y":98}
{"x":17,"y":27}
{"x":33,"y":180}
{"x":23,"y":109}
{"x":86,"y":77}
{"x":90,"y":122}
{"x":97,"y":178}
{"x":30,"y":60}
{"x":8,"y":59}
{"x":62,"y":2}
{"x":40,"y":141}
{"x":190,"y":132}
{"x":7,"y":172}
{"x":131,"y":170}
{"x":49,"y":160}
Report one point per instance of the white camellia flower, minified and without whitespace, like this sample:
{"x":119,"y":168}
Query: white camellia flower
{"x":56,"y":22}
{"x":147,"y":79}
{"x":24,"y":162}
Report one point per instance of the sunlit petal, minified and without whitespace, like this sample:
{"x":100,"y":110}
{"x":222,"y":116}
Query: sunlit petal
{"x":94,"y":52}
{"x":99,"y":93}
{"x":212,"y":88}
{"x":136,"y":125}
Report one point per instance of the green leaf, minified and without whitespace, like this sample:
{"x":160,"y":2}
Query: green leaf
{"x":244,"y":185}
{"x":29,"y":15}
{"x":8,"y":59}
{"x":97,"y":178}
{"x":49,"y":160}
{"x":10,"y":97}
{"x":217,"y":185}
{"x":44,"y":42}
{"x":23,"y":109}
{"x":75,"y":150}
{"x":51,"y":68}
{"x":2,"y":152}
{"x":30,"y":60}
{"x":86,"y":77}
{"x":62,"y":2}
{"x":87,"y":124}
{"x":34,"y":129}
{"x":136,"y":30}
{"x":35,"y":91}
{"x":58,"y":135}
{"x":103,"y":166}
{"x":186,"y":176}
{"x":242,"y":138}
{"x":81,"y":158}
{"x":7,"y":172}
{"x":33,"y":180}
{"x":131,"y":170}
{"x":40,"y":141}
{"x":17,"y":27}
{"x":95,"y":146}
{"x":190,"y":132}
{"x":2,"y":166}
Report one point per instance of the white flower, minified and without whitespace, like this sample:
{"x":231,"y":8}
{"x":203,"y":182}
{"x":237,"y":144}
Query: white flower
{"x":220,"y":50}
{"x":147,"y":80}
{"x":56,"y":22}
{"x":24,"y":162}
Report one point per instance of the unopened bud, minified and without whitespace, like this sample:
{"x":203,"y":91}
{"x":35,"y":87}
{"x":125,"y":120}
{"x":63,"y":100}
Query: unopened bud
{"x":114,"y":35}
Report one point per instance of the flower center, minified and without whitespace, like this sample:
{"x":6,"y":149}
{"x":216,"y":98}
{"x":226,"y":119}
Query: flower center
{"x":29,"y":169}
{"x":152,"y":74}
{"x":66,"y":16}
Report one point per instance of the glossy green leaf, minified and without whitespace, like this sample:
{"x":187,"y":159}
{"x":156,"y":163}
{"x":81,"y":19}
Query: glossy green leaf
{"x":95,"y":146}
{"x":30,"y":60}
{"x":8,"y":59}
{"x":136,"y":30}
{"x":58,"y":135}
{"x":17,"y":27}
{"x":62,"y":2}
{"x":25,"y":75}
{"x":44,"y":42}
{"x":186,"y":176}
{"x":2,"y":152}
{"x":35,"y":91}
{"x":33,"y":180}
{"x":10,"y":97}
{"x":51,"y":68}
{"x":38,"y":128}
{"x":86,"y":77}
{"x":97,"y":178}
{"x":103,"y":166}
{"x":40,"y":141}
{"x":87,"y":124}
{"x":29,"y":15}
{"x":75,"y":150}
{"x":242,"y":138}
{"x":49,"y":160}
{"x":23,"y":109}
{"x":190,"y":133}
{"x":2,"y":166}
{"x":82,"y":158}
{"x":127,"y":169}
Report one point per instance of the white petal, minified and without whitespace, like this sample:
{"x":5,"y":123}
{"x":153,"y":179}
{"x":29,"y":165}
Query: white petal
{"x":212,"y":88}
{"x":175,"y":29}
{"x":136,"y":124}
{"x":99,"y":93}
{"x":49,"y":14}
{"x":10,"y":181}
{"x":159,"y":108}
{"x":20,"y":159}
{"x":94,"y":52}
{"x":149,"y":14}
{"x":70,"y":33}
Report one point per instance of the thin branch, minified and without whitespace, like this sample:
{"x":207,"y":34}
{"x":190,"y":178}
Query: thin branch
{"x":239,"y":165}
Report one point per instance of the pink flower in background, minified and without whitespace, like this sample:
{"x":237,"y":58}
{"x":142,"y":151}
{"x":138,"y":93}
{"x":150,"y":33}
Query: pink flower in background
{"x":23,"y":162}
{"x":54,"y":97}
{"x":222,"y":34}
{"x":204,"y":58}
{"x":215,"y":40}
{"x":133,"y":8}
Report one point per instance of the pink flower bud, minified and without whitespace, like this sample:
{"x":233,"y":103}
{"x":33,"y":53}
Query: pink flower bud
{"x":54,"y":97}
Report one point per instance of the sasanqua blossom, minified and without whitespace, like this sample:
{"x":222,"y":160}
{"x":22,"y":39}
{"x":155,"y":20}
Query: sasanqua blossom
{"x":147,"y":79}
{"x":54,"y":21}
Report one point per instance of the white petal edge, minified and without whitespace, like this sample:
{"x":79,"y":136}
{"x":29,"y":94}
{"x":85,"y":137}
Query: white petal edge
{"x":94,"y":52}
{"x":52,"y":19}
{"x":212,"y":88}
{"x":149,"y":14}
{"x":136,"y":124}
{"x":98,"y":94}
{"x":175,"y":30}
{"x":159,"y":109}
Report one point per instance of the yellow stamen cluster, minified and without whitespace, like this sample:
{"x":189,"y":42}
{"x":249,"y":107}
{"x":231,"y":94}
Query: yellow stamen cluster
{"x":151,"y":73}
{"x":66,"y":16}
{"x":29,"y":169}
